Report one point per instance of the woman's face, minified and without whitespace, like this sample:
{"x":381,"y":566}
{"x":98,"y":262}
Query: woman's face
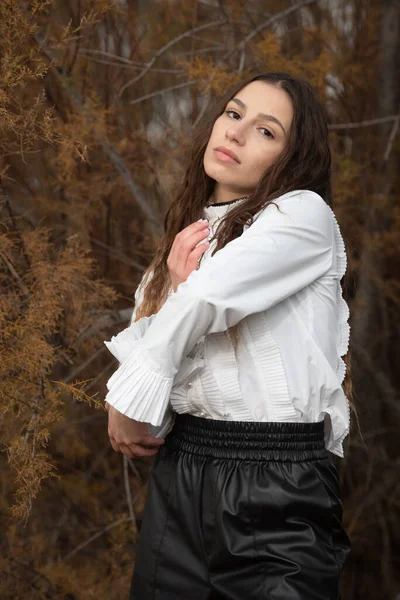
{"x":255,"y":127}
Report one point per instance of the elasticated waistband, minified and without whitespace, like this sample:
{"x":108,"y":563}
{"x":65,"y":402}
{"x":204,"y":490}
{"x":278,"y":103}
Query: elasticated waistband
{"x":278,"y":441}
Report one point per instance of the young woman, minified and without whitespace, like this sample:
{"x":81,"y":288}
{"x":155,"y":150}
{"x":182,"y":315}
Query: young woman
{"x":237,"y":345}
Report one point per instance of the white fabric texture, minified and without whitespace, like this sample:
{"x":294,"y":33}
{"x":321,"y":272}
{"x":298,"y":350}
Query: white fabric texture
{"x":280,"y":283}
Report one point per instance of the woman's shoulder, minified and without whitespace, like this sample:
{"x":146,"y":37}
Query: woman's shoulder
{"x":302,"y":206}
{"x":305,"y":198}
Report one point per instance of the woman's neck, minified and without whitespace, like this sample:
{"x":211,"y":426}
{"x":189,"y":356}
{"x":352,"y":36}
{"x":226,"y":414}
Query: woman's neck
{"x":221,"y":195}
{"x":216,"y":199}
{"x":211,"y":203}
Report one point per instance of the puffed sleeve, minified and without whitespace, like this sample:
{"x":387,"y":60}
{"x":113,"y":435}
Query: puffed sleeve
{"x":121,"y":346}
{"x":282,"y":252}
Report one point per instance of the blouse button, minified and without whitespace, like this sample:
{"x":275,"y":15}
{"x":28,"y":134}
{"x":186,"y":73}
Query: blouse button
{"x":190,"y":384}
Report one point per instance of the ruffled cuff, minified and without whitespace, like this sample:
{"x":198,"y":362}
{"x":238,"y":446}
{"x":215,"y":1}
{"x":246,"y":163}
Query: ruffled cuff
{"x":162,"y":430}
{"x":337,"y":428}
{"x":121,"y":345}
{"x":137,"y":390}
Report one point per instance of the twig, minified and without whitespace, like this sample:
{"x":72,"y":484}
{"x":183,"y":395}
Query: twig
{"x":131,"y":67}
{"x":127,"y":61}
{"x":104,"y":320}
{"x":173,"y":87}
{"x":134,"y":469}
{"x":95,"y":536}
{"x":15,"y":275}
{"x":84,"y":364}
{"x":366,"y":123}
{"x":99,"y":376}
{"x":242,"y":60}
{"x":128,"y":493}
{"x":202,"y":39}
{"x":117,"y":254}
{"x":392,"y":136}
{"x":201,"y":51}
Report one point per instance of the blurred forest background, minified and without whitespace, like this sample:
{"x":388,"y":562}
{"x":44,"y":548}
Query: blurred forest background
{"x":98,"y":99}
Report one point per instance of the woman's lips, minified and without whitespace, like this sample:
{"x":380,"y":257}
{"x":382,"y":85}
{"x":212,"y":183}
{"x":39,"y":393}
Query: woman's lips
{"x":225,"y":157}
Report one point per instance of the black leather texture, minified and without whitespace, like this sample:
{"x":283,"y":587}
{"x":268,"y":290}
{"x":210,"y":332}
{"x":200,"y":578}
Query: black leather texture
{"x":241,"y":511}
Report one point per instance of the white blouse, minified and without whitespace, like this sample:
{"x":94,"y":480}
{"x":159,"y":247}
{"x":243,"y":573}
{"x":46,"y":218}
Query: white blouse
{"x":280,"y":282}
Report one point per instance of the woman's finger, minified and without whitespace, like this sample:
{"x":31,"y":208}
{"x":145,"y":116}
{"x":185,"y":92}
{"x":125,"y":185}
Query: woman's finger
{"x":138,"y":450}
{"x":126,"y":450}
{"x":148,"y":440}
{"x":194,"y":257}
{"x":191,"y":244}
{"x":114,"y":445}
{"x":184,"y":243}
{"x":192,"y":229}
{"x":182,"y":236}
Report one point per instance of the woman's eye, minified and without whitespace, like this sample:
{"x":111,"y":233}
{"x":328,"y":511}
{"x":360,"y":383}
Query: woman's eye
{"x":269,"y":134}
{"x":232,"y":111}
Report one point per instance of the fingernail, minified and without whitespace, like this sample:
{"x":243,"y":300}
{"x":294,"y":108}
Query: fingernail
{"x":204,"y":220}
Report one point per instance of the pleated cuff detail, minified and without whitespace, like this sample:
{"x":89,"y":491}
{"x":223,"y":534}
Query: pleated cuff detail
{"x":121,"y":345}
{"x":338,"y":430}
{"x":137,"y":390}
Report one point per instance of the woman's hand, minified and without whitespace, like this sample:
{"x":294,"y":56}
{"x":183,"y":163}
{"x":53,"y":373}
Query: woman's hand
{"x":130,"y":437}
{"x":184,"y":255}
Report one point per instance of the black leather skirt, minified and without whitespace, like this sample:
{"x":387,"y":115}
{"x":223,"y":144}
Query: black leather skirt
{"x":241,"y":511}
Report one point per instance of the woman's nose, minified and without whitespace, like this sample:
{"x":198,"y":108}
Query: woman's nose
{"x":234,"y":133}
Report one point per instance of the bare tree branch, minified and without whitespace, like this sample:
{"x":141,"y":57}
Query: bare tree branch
{"x":104,"y":320}
{"x":134,"y":469}
{"x":95,"y":536}
{"x":169,"y":89}
{"x":240,"y":46}
{"x":99,"y":375}
{"x":109,"y":150}
{"x":201,"y":51}
{"x":270,"y":21}
{"x":367,"y":123}
{"x":116,"y":57}
{"x":15,"y":275}
{"x":391,"y":139}
{"x":128,"y":493}
{"x":84,"y":364}
{"x":127,"y":65}
{"x":117,"y":254}
{"x":165,"y":48}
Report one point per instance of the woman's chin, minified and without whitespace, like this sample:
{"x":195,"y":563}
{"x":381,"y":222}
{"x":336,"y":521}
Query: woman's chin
{"x":220,"y":172}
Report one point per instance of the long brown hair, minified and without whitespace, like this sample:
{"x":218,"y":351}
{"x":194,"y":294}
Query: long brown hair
{"x":305,"y":163}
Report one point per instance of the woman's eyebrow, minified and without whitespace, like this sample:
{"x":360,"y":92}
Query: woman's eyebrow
{"x":260,"y":115}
